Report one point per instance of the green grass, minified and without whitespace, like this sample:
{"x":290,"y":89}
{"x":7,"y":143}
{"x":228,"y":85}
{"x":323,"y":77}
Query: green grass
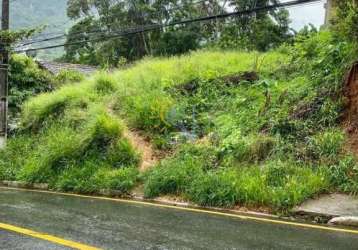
{"x":272,"y":142}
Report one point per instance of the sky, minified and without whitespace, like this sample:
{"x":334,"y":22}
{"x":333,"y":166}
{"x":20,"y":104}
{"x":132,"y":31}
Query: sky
{"x":302,"y":15}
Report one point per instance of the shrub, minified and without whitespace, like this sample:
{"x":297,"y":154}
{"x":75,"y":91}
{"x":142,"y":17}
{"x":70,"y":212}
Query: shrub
{"x":26,"y":79}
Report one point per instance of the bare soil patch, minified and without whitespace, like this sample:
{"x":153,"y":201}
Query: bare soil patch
{"x":350,"y":119}
{"x":149,"y":155}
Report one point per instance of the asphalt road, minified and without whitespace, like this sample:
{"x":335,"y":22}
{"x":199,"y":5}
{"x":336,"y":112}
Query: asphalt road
{"x":120,"y":225}
{"x":13,"y":241}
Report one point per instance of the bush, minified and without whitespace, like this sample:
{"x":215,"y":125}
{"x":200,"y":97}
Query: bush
{"x":26,"y":79}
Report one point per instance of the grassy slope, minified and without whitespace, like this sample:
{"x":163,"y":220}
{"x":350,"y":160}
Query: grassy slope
{"x":272,"y":142}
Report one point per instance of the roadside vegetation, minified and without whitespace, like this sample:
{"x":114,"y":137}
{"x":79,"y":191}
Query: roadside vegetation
{"x":27,"y":79}
{"x":254,"y":129}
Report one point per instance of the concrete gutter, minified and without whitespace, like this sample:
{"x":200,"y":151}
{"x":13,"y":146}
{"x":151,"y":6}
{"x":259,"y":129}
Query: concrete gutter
{"x":334,"y":209}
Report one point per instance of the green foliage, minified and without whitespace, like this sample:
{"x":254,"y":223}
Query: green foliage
{"x":105,"y":83}
{"x":327,"y":145}
{"x":10,"y":161}
{"x":263,"y":31}
{"x":172,"y":176}
{"x":277,"y":185}
{"x":344,"y":175}
{"x":26,"y":79}
{"x":214,"y":189}
{"x":252,"y":148}
{"x":68,"y":76}
{"x":52,"y":105}
{"x":237,"y":137}
{"x":90,"y":179}
{"x":8,"y":36}
{"x":77,"y":145}
{"x":346,"y":21}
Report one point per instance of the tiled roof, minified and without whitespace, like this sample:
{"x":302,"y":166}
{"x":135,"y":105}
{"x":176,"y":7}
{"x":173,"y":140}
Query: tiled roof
{"x":56,"y":67}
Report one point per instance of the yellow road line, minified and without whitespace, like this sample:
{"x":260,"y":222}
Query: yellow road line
{"x":196,"y":210}
{"x":46,"y":237}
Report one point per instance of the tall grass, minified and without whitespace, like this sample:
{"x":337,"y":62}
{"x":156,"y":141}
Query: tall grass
{"x":267,"y":142}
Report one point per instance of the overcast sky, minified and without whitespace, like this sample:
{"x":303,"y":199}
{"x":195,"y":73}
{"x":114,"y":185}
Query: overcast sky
{"x":302,"y":15}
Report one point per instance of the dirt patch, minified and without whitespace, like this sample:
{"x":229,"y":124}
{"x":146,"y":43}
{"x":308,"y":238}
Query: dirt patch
{"x":235,"y":79}
{"x":150,"y":157}
{"x":306,"y":109}
{"x":350,"y":120}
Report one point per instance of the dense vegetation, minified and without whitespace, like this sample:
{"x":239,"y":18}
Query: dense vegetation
{"x":27,"y":79}
{"x":258,"y":129}
{"x":96,"y":20}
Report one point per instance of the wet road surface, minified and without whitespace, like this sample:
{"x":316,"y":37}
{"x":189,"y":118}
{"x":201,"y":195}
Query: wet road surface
{"x":119,"y":225}
{"x":13,"y":241}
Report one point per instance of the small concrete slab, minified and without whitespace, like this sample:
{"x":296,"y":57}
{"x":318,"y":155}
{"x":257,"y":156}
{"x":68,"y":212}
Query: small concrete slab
{"x":330,"y":205}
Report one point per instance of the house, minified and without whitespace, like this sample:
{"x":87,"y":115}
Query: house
{"x":57,"y":67}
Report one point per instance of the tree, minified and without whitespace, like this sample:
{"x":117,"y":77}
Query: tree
{"x":96,"y":19}
{"x":258,"y":31}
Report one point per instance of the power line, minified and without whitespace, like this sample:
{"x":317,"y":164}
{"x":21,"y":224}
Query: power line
{"x":63,"y":35}
{"x":147,"y":28}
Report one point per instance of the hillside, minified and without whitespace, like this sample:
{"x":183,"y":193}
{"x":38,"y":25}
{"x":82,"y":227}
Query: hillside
{"x":31,"y":13}
{"x":260,"y":130}
{"x":40,"y":13}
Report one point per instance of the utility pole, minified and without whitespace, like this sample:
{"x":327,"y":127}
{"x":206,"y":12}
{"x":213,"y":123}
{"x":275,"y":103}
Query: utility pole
{"x":4,"y":61}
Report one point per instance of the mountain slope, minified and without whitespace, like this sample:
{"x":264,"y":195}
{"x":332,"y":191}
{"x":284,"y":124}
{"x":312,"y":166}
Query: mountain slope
{"x":32,"y":13}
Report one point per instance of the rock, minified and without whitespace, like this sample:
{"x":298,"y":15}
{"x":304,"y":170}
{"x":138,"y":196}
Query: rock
{"x":344,"y":221}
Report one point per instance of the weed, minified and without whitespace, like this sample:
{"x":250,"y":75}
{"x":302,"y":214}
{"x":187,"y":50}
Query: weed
{"x":326,"y":146}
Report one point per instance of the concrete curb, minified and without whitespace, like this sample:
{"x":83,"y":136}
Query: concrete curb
{"x":20,"y":184}
{"x":351,"y":221}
